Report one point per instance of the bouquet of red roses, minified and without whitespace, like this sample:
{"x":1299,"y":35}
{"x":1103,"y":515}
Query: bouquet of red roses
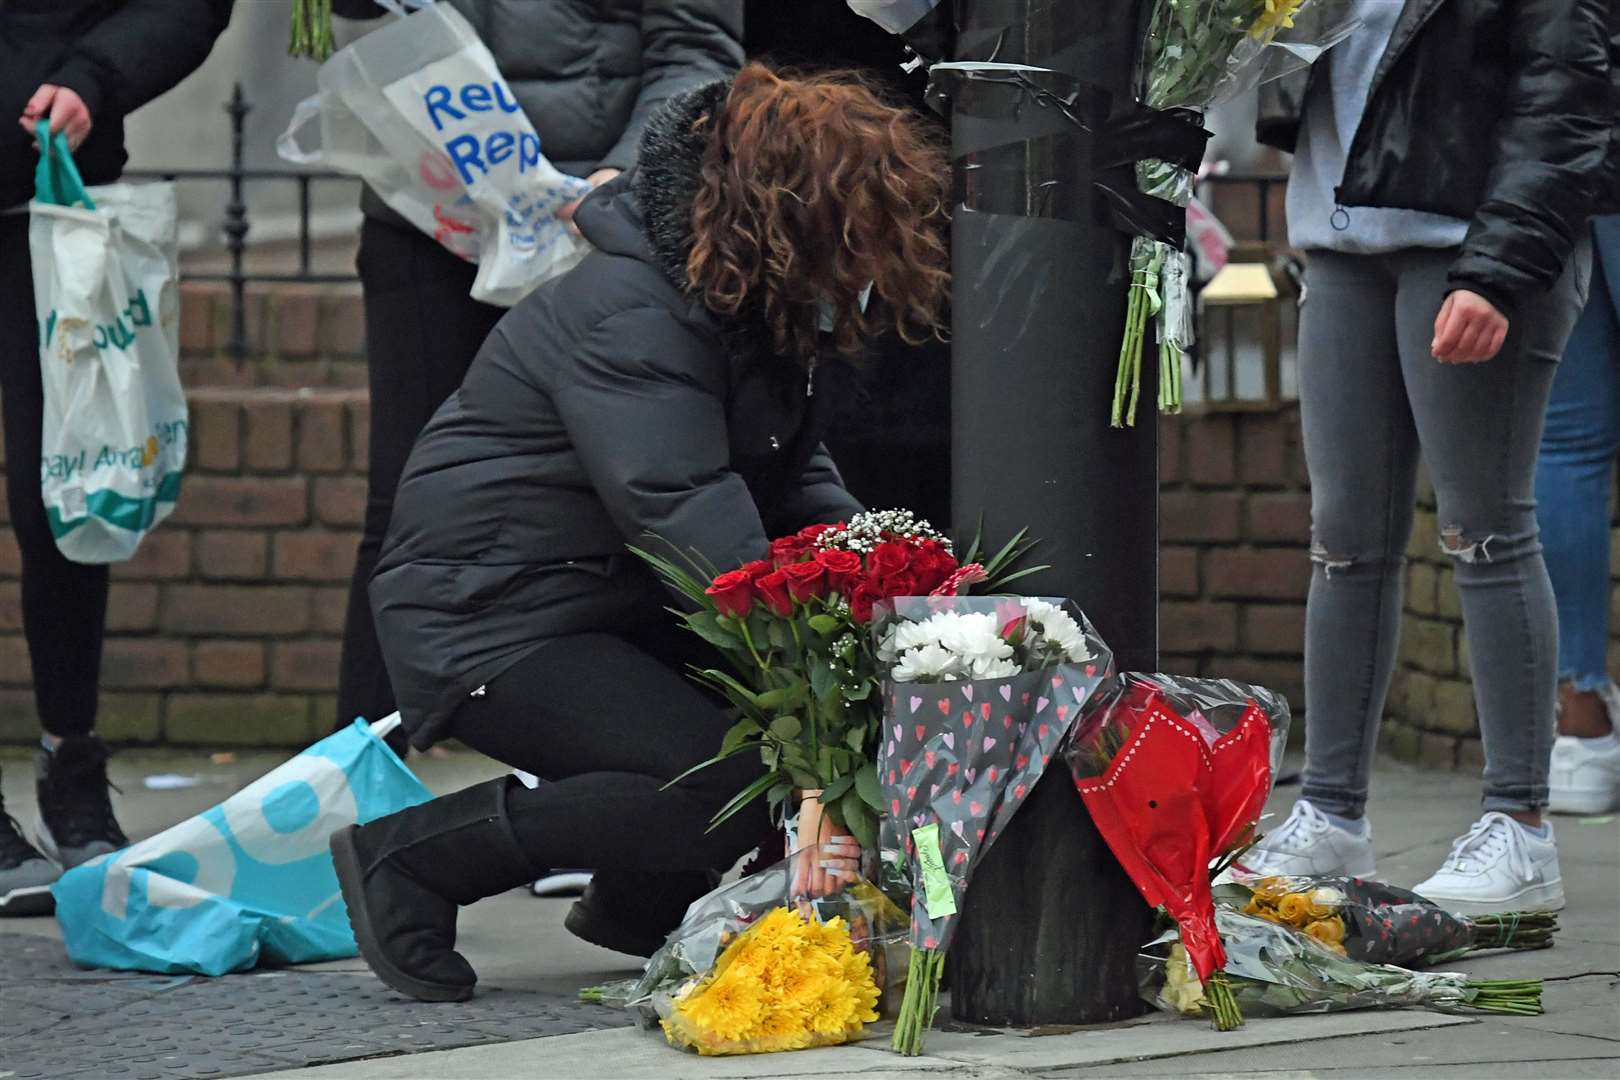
{"x":805,"y":678}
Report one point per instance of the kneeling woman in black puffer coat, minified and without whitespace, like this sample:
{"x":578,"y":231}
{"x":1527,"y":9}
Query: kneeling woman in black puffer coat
{"x":674,"y":385}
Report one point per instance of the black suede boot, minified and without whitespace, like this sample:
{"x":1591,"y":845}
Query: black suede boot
{"x":403,"y":876}
{"x":633,"y":913}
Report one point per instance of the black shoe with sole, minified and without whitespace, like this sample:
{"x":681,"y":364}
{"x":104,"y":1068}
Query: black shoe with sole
{"x":26,"y":876}
{"x":633,"y":913}
{"x":75,"y":805}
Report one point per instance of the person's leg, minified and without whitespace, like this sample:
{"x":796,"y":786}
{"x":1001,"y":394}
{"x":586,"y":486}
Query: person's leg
{"x":609,"y":726}
{"x":1480,"y":427}
{"x":1361,"y":450}
{"x":25,"y":874}
{"x":1573,"y":475}
{"x":422,"y":331}
{"x":64,"y":603}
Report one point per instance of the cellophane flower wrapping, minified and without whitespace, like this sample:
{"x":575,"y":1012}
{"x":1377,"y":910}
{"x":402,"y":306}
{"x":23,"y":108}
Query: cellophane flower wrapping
{"x":1195,"y":55}
{"x":1213,"y":706}
{"x":1276,"y":970}
{"x":1382,"y":924}
{"x":753,"y":969}
{"x":980,"y":695}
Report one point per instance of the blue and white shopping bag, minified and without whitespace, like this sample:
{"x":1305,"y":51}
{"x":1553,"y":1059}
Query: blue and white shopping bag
{"x":249,"y":880}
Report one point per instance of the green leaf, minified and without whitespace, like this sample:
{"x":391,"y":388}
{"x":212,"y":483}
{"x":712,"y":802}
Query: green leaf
{"x":741,"y":732}
{"x":707,"y":625}
{"x":855,"y":739}
{"x":823,"y":624}
{"x":867,"y":787}
{"x":835,"y":790}
{"x":823,"y":680}
{"x":742,"y":799}
{"x":858,"y":819}
{"x":824,"y":763}
{"x":779,"y":636}
{"x":803,"y":779}
{"x":861,"y":691}
{"x":786,"y":728}
{"x":1004,"y":580}
{"x":700,"y":766}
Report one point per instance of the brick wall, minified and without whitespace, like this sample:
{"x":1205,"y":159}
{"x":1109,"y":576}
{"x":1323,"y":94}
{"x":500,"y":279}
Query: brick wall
{"x":1234,"y":520}
{"x":224,"y":629}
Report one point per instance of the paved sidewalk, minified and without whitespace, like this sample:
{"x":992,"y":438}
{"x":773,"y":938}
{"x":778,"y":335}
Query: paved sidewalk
{"x":55,"y":1021}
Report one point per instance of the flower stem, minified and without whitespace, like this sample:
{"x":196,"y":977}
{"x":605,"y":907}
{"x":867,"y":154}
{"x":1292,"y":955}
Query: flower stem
{"x":921,"y":1001}
{"x":1222,"y":1006}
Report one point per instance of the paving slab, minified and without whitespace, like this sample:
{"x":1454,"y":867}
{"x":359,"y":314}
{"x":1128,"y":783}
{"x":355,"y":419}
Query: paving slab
{"x":629,"y":1054}
{"x":1163,"y":1037}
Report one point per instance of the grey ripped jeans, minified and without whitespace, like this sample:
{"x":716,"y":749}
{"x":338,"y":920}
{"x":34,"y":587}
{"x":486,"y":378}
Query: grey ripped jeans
{"x":1372,"y":399}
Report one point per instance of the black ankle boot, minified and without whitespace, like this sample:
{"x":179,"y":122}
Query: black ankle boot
{"x":403,"y":876}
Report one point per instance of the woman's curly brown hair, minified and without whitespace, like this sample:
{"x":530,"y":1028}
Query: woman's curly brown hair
{"x":812,"y":188}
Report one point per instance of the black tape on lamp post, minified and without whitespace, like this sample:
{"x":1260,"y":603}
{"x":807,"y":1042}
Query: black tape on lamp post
{"x":1043,"y":133}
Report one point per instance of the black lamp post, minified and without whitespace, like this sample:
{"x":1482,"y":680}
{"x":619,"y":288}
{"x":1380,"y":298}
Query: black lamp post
{"x":1051,"y":924}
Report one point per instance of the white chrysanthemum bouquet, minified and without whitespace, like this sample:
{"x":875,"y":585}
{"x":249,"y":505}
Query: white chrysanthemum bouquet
{"x":1022,"y":634}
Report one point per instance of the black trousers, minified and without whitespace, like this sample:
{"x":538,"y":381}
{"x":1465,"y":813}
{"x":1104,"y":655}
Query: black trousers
{"x":64,"y":603}
{"x":609,"y":719}
{"x":422,"y":331}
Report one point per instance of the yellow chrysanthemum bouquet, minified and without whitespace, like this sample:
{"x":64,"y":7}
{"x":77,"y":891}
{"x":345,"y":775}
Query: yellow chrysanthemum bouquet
{"x":788,"y":982}
{"x":756,"y":968}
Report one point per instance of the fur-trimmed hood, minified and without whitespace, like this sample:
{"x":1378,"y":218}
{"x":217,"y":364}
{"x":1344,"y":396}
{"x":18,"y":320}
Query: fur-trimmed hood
{"x":668,"y":173}
{"x":647,"y":212}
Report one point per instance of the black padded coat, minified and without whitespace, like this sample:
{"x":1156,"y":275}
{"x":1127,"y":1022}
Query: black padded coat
{"x":607,"y":407}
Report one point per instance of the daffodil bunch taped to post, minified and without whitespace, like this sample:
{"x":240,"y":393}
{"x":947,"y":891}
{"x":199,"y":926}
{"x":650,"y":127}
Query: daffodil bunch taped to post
{"x":752,"y":969}
{"x":1197,"y":54}
{"x":1382,"y":924}
{"x":1276,"y":970}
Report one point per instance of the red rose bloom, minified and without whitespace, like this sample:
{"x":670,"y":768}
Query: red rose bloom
{"x":861,"y":601}
{"x":773,"y":591}
{"x":788,"y":549}
{"x":888,"y":558}
{"x":811,"y":533}
{"x":843,"y":569}
{"x":732,"y":593}
{"x":901,"y":584}
{"x":932,"y":565}
{"x":806,"y":580}
{"x":756,"y":569}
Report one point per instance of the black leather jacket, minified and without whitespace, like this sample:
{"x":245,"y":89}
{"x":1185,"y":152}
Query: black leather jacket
{"x":1500,"y":112}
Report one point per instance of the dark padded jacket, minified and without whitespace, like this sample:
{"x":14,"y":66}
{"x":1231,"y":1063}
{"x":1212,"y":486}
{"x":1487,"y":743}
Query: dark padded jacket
{"x":591,"y":73}
{"x":1505,"y":113}
{"x":606,"y":406}
{"x":115,"y":54}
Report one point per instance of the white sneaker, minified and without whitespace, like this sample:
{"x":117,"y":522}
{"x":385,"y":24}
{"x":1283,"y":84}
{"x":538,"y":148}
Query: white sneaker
{"x":1308,"y":844}
{"x":1498,"y":866}
{"x":1585,"y":775}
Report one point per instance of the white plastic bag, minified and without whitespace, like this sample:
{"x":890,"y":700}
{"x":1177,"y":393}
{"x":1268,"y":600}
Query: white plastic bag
{"x":106,"y":280}
{"x":895,"y":16}
{"x":418,"y":109}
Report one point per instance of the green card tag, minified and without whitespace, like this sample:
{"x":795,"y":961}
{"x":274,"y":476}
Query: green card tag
{"x":938,"y":900}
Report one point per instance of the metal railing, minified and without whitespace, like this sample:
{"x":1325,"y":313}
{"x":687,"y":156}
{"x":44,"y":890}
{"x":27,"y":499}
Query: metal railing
{"x":235,"y":224}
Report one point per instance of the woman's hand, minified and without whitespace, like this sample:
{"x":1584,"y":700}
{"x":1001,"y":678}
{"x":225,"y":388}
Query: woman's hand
{"x":829,"y":865}
{"x":66,"y":110}
{"x":1469,"y":329}
{"x":596,"y":180}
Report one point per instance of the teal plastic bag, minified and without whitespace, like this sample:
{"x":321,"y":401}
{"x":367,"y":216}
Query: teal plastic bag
{"x":246,"y":882}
